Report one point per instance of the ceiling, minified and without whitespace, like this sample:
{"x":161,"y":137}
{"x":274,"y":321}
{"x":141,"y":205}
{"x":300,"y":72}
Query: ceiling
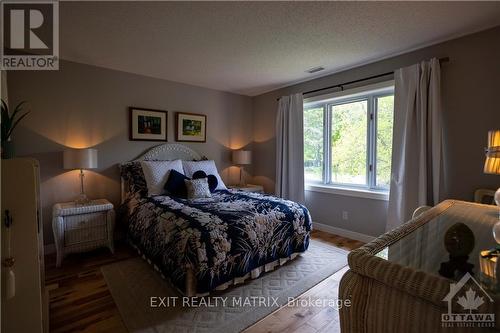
{"x":253,"y":47}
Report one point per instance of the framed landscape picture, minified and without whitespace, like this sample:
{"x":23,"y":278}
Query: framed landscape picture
{"x":148,"y":124}
{"x":191,"y":127}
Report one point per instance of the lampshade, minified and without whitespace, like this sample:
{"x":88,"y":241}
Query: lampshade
{"x":492,"y":163}
{"x":80,"y":158}
{"x":242,"y":157}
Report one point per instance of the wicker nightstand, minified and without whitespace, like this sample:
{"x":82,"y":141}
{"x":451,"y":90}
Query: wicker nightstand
{"x":80,"y":228}
{"x":248,"y":188}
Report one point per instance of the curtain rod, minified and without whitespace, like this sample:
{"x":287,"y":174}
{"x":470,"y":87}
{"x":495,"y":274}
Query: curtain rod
{"x":341,"y":86}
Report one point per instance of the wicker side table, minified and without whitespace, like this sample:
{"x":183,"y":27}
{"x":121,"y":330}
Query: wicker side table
{"x":247,"y":188}
{"x":80,"y":228}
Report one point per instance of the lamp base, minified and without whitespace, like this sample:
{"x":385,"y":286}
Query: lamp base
{"x":82,"y":200}
{"x":497,"y":200}
{"x":243,"y":182}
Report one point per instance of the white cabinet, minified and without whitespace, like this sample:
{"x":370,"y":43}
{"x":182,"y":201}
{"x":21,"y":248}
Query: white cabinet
{"x":27,"y":310}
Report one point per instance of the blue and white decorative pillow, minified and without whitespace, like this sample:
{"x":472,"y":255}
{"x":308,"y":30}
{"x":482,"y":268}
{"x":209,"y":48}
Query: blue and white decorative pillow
{"x":207,"y":166}
{"x":211,"y":179}
{"x":197,"y":188}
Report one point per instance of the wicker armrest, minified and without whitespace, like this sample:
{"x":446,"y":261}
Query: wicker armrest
{"x":420,"y":284}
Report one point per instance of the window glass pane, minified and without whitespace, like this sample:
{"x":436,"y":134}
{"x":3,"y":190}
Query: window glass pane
{"x":385,"y":118}
{"x":349,"y":134}
{"x":313,"y":144}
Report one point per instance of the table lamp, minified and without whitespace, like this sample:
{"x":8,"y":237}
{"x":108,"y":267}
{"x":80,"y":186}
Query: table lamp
{"x":489,"y":259}
{"x":241,"y":158}
{"x":492,"y":163}
{"x":80,"y":159}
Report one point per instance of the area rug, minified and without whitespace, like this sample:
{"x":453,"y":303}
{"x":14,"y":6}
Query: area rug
{"x":146,"y":301}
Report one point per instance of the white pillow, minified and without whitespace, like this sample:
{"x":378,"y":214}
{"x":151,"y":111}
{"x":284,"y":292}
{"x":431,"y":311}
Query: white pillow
{"x":156,"y":174}
{"x":208,"y":166}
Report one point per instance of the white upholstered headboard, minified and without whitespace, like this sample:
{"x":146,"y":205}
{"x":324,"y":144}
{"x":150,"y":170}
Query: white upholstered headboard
{"x":168,"y":152}
{"x":164,"y":152}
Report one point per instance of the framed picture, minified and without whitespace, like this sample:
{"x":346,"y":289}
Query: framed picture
{"x":148,"y":124}
{"x":191,"y":127}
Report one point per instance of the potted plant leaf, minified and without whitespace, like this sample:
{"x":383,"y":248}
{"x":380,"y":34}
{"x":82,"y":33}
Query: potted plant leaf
{"x":9,"y":123}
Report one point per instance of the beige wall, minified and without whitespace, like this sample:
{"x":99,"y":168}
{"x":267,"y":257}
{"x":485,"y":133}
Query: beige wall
{"x":83,"y":106}
{"x":87,"y":106}
{"x":471,"y":86}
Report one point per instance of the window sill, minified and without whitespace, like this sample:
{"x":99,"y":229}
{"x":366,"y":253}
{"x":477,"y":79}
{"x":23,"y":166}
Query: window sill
{"x":351,"y":192}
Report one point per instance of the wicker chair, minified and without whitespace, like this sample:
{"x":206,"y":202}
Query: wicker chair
{"x":387,"y":297}
{"x":420,"y":210}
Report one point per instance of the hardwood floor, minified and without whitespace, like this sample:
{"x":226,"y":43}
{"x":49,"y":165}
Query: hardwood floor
{"x":79,"y":299}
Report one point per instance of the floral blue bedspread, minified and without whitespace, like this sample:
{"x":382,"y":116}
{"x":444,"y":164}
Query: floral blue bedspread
{"x":219,"y":238}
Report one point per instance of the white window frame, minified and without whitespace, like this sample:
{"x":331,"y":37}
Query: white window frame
{"x":370,"y":93}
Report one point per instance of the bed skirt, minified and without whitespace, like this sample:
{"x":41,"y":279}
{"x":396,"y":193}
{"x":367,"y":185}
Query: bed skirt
{"x":191,"y":280}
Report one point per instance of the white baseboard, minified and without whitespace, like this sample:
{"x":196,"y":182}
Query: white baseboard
{"x":49,"y":249}
{"x":343,"y":232}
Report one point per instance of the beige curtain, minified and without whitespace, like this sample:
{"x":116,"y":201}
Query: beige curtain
{"x":417,"y":141}
{"x":290,"y":148}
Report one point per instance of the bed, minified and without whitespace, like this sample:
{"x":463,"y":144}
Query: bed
{"x":209,"y":244}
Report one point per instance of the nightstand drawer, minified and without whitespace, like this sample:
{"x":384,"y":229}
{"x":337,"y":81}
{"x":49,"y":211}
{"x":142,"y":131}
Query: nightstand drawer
{"x":79,"y":236}
{"x":85,"y":220}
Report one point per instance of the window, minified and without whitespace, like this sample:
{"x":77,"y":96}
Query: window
{"x":313,"y":144}
{"x":348,"y":138}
